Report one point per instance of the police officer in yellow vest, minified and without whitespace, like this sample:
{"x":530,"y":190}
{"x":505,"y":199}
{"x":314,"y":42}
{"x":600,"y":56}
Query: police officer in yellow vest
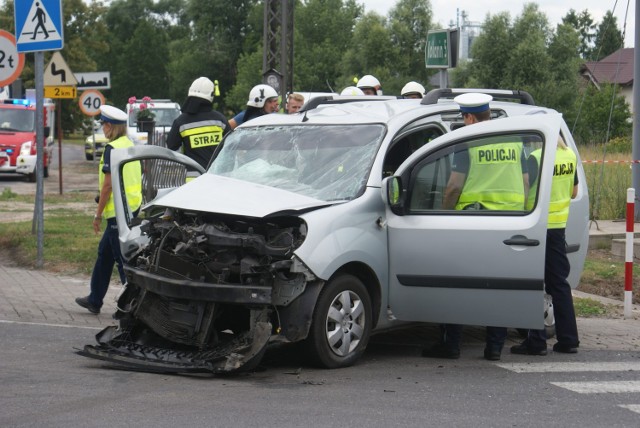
{"x":564,"y":187}
{"x":114,"y":123}
{"x":490,"y":177}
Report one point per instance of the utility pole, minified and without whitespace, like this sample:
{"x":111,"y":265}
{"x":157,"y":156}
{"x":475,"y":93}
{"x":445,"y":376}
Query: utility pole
{"x":635,"y":150}
{"x":277,"y":55}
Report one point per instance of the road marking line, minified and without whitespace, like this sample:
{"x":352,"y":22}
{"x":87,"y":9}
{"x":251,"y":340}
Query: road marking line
{"x":632,"y":407}
{"x":571,"y":367}
{"x":50,"y":325}
{"x":600,"y":387}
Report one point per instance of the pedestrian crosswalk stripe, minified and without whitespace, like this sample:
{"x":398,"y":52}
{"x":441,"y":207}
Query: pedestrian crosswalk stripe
{"x":600,"y":387}
{"x":558,"y":367}
{"x":632,"y":407}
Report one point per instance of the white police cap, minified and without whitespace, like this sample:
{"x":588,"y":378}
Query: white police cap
{"x":473,"y":102}
{"x":112,"y":114}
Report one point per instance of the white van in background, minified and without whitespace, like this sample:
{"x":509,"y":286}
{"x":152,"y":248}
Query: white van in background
{"x":166,"y":111}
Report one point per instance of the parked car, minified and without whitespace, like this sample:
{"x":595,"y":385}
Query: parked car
{"x":94,"y":145}
{"x":327,"y":226}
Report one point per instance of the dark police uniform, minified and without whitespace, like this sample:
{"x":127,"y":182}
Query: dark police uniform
{"x":556,"y":263}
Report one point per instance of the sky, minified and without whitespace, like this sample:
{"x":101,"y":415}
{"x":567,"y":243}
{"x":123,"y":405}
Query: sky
{"x":445,"y":11}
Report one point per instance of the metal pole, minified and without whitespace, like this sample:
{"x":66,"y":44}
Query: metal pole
{"x":58,"y":119}
{"x":628,"y":256}
{"x":39,"y":208}
{"x":635,"y":167}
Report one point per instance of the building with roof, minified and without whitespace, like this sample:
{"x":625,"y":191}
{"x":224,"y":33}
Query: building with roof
{"x":616,"y":68}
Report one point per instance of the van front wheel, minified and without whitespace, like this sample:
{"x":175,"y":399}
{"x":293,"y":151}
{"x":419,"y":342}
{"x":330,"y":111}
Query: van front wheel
{"x":341,"y":324}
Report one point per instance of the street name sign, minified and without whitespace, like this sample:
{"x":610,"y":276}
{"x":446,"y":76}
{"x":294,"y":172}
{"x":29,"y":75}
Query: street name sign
{"x":441,"y":49}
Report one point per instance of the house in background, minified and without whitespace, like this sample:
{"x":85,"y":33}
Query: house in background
{"x":616,"y":68}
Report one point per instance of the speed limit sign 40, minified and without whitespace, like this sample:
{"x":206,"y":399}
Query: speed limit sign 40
{"x":90,"y":102}
{"x":11,"y":62}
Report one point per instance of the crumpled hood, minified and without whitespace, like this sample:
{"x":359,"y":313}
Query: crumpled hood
{"x":224,"y":195}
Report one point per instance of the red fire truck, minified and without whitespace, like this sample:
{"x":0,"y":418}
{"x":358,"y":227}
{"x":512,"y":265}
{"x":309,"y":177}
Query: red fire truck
{"x":18,"y":136}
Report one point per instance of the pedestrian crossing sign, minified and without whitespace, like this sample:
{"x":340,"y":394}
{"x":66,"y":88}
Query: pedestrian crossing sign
{"x":38,"y":25}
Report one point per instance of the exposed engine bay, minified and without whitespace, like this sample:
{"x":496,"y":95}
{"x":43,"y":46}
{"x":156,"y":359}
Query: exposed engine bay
{"x":207,"y":294}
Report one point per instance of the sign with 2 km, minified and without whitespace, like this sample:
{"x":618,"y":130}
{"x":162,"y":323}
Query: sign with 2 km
{"x":11,"y":62}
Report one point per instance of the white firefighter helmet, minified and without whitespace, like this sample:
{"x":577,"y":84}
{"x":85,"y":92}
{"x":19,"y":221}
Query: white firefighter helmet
{"x":203,"y":88}
{"x":412,"y":88}
{"x":259,"y":94}
{"x":352,"y":90}
{"x":368,"y":81}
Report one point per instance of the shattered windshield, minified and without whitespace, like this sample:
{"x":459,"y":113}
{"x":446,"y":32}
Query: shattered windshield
{"x":329,"y":162}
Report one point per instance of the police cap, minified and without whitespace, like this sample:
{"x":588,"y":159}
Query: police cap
{"x":112,"y":114}
{"x":473,"y":102}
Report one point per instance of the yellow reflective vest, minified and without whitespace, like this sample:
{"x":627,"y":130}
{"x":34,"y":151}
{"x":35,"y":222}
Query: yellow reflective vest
{"x":494,"y":179}
{"x":533,"y":187}
{"x":564,"y":170}
{"x":131,"y":177}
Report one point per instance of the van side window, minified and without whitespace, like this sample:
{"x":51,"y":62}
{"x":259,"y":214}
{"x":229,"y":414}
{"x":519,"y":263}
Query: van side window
{"x":476,"y":176}
{"x":404,"y":147}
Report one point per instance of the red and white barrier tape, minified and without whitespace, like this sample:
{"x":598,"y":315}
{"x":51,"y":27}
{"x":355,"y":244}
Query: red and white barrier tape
{"x":611,"y":161}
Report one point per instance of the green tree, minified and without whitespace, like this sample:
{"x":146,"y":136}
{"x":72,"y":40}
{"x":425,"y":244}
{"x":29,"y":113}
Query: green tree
{"x":562,"y":89}
{"x":370,"y":52}
{"x":608,"y":37}
{"x":212,"y":48}
{"x":600,"y":113}
{"x":491,"y":51}
{"x":323,"y":32}
{"x":409,"y":23}
{"x":586,"y":27}
{"x":529,"y":63}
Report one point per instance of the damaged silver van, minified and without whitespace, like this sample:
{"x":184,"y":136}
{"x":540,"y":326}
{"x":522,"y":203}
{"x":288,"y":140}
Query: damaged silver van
{"x":327,"y":226}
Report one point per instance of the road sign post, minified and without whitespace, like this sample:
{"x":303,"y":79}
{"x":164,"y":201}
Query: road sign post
{"x":11,"y":62}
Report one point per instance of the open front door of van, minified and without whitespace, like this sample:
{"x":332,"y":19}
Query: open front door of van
{"x":472,"y":264}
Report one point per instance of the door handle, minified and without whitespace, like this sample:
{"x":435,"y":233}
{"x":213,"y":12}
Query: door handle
{"x":522,"y":240}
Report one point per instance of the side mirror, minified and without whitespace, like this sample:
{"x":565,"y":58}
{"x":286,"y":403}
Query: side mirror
{"x":393,"y":195}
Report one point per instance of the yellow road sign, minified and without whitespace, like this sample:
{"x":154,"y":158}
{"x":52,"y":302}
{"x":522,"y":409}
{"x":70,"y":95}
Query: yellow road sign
{"x":60,"y":92}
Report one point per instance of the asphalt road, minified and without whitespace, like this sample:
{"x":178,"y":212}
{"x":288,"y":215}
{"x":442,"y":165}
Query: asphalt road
{"x":74,"y":174}
{"x":46,"y":384}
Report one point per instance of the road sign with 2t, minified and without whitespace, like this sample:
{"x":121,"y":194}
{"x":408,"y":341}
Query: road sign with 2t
{"x":11,"y":62}
{"x":38,"y":25}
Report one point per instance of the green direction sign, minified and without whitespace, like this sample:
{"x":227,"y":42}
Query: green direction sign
{"x":441,"y":49}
